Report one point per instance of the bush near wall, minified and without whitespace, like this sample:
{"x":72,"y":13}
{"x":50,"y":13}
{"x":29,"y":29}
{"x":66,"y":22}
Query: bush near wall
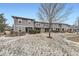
{"x":21,"y":33}
{"x":34,"y":31}
{"x":55,"y":31}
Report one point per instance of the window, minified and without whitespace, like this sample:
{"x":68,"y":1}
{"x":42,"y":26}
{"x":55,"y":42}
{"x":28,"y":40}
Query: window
{"x":38,"y":24}
{"x":19,"y":21}
{"x":46,"y":24}
{"x":29,"y":22}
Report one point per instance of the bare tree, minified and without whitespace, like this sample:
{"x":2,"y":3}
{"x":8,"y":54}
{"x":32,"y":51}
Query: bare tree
{"x":77,"y":25}
{"x":52,"y":12}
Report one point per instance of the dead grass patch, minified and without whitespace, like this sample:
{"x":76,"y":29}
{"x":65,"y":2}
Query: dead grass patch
{"x":75,"y":39}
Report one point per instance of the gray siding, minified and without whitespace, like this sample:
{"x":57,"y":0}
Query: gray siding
{"x":29,"y":23}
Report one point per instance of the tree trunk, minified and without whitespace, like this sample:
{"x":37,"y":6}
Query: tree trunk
{"x":50,"y":30}
{"x":77,"y":31}
{"x":4,"y":28}
{"x":49,"y":33}
{"x":60,"y":25}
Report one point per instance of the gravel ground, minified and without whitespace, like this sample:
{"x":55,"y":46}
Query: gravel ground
{"x":38,"y":45}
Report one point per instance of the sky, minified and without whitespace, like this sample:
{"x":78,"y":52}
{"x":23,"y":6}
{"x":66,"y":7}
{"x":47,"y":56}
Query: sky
{"x":30,"y":10}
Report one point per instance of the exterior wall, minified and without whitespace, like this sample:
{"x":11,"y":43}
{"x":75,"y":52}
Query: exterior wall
{"x":21,"y":26}
{"x":32,"y":24}
{"x":41,"y":25}
{"x":65,"y":27}
{"x":42,"y":30}
{"x":38,"y":25}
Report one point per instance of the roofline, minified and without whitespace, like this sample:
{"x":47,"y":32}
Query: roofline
{"x":37,"y":21}
{"x":52,"y":23}
{"x":23,"y":18}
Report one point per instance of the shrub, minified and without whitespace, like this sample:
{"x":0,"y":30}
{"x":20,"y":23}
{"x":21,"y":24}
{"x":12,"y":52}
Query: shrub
{"x":55,"y":31}
{"x":37,"y":31}
{"x":34,"y":31}
{"x":19,"y":30}
{"x":21,"y":33}
{"x":11,"y":31}
{"x":15,"y":33}
{"x":4,"y":33}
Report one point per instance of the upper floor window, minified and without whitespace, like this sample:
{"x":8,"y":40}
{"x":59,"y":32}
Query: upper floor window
{"x":38,"y":24}
{"x":29,"y":22}
{"x":46,"y":24}
{"x":19,"y":21}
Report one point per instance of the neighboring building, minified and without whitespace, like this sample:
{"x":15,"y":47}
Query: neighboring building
{"x":25,"y":24}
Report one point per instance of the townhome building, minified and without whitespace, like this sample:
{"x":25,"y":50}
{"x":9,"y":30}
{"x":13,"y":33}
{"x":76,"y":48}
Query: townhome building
{"x":25,"y":24}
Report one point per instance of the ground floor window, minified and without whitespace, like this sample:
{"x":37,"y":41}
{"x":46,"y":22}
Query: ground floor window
{"x":27,"y":29}
{"x":63,"y":29}
{"x":57,"y":29}
{"x":38,"y":29}
{"x":46,"y":29}
{"x":69,"y":30}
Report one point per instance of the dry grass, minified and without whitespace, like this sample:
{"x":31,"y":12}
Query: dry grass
{"x":37,"y":45}
{"x":72,"y":36}
{"x":75,"y":39}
